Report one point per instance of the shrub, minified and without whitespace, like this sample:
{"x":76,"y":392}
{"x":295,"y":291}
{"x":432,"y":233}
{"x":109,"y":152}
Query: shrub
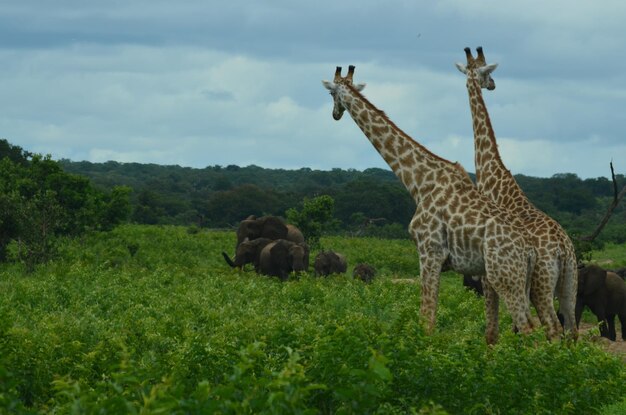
{"x":173,"y":329}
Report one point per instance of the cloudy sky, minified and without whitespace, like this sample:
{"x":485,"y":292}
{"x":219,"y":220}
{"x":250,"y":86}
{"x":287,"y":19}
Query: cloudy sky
{"x":200,"y":83}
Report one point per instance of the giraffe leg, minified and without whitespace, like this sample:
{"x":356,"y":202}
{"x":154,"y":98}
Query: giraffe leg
{"x":430,"y":270}
{"x":547,"y":316}
{"x":509,"y":278}
{"x":544,"y":277}
{"x":518,"y":306}
{"x":491,"y":313}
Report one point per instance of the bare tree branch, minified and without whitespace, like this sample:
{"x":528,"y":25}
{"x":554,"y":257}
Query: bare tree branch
{"x":617,"y":197}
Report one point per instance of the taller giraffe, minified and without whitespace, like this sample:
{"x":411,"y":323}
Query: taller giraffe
{"x":454,"y":226}
{"x":556,"y":267}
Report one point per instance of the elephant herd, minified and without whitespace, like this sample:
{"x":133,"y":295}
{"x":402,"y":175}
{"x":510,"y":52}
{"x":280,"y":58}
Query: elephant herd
{"x":602,"y":291}
{"x":278,"y":249}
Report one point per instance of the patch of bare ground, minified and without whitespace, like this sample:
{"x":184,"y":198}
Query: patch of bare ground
{"x":617,"y":347}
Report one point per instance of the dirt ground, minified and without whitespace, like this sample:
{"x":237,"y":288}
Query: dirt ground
{"x":617,"y":347}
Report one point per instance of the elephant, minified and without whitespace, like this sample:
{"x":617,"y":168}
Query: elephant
{"x":364,"y":272}
{"x":621,"y":272}
{"x":604,"y":292}
{"x":473,"y":283}
{"x":281,"y":257}
{"x":330,"y":262}
{"x":271,"y":227}
{"x":249,"y":251}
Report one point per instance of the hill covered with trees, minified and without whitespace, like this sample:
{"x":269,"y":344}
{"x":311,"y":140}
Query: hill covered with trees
{"x":369,"y":202}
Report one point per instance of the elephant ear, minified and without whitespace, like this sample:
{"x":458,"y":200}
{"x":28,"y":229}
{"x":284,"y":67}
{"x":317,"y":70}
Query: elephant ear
{"x":273,"y":227}
{"x":593,"y":278}
{"x":307,"y":252}
{"x":343,"y":262}
{"x":248,"y":229}
{"x":322,"y":259}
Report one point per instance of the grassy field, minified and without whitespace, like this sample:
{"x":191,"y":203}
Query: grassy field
{"x":172,"y":329}
{"x":612,"y":256}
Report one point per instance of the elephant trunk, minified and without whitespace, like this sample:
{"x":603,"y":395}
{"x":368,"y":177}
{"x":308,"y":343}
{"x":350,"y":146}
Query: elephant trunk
{"x":228,"y":260}
{"x":298,"y":265}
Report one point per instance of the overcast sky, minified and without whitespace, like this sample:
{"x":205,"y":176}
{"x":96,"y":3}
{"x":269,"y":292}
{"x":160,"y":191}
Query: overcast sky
{"x":200,"y":83}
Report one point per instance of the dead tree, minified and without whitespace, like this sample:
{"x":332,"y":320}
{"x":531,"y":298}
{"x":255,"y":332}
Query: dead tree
{"x":617,"y":197}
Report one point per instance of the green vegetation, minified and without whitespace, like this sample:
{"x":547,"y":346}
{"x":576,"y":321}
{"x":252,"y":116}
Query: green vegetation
{"x":150,"y":319}
{"x":366,"y":203}
{"x":39,"y":202}
{"x":315,"y":215}
{"x":612,"y":256}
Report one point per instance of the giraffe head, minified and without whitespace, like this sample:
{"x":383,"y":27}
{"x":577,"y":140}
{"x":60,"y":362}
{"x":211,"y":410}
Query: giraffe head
{"x":338,"y":84}
{"x":478,"y":68}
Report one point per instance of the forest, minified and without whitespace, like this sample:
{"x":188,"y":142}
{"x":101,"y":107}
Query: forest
{"x":41,"y":199}
{"x":371,"y":202}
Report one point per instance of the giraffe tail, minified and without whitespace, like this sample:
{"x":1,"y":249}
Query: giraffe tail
{"x":532,"y":260}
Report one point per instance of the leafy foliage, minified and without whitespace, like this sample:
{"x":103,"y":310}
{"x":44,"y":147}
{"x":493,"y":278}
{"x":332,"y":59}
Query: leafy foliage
{"x":150,"y":319}
{"x":367,"y":203}
{"x":40,"y":202}
{"x":316,"y":215}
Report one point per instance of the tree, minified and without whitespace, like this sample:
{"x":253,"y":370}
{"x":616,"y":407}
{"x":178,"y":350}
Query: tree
{"x":40,"y":218}
{"x":231,"y":206}
{"x":14,"y":153}
{"x":148,"y":210}
{"x":117,"y":207}
{"x":40,"y":202}
{"x":315,"y":214}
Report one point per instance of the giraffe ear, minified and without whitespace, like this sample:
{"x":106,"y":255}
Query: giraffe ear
{"x":487,"y":69}
{"x":461,"y":67}
{"x":359,"y":87}
{"x":328,"y":85}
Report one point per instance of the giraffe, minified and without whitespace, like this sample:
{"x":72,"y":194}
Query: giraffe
{"x":556,"y":267}
{"x":454,"y":226}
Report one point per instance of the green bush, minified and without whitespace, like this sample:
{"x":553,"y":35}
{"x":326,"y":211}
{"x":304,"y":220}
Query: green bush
{"x":39,"y":202}
{"x":173,"y":329}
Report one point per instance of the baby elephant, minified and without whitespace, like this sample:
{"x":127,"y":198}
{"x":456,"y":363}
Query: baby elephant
{"x":330,"y":262}
{"x":605,"y":294}
{"x":364,"y":272}
{"x":281,"y":257}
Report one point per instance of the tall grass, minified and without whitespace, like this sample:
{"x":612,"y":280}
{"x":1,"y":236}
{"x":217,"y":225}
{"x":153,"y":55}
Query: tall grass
{"x":152,"y":320}
{"x":612,"y":256}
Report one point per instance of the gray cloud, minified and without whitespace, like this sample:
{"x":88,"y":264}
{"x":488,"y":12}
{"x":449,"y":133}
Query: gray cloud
{"x":201,"y":83}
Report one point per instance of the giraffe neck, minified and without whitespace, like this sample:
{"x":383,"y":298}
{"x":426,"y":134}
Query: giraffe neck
{"x":416,"y":167}
{"x":492,"y":177}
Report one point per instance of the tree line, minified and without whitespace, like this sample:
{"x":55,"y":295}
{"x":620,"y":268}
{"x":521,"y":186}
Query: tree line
{"x":41,"y":199}
{"x":369,"y":202}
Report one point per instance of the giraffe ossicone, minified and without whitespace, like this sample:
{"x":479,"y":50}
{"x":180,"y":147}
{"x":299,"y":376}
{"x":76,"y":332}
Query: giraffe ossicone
{"x":454,"y":226}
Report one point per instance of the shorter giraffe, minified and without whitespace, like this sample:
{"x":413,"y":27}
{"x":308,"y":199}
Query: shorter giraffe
{"x":555,"y":269}
{"x":454,"y":226}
